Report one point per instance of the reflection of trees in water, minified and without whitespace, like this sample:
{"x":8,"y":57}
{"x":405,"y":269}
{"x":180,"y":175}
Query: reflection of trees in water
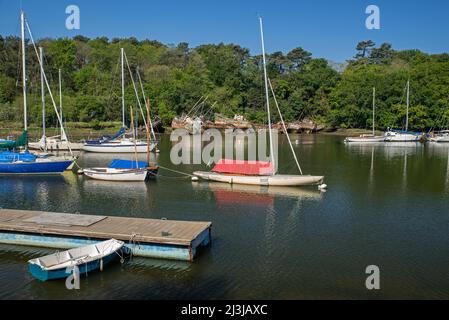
{"x":441,"y":151}
{"x":446,"y":182}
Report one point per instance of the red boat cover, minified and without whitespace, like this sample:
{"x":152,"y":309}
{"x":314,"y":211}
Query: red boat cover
{"x":252,"y":168}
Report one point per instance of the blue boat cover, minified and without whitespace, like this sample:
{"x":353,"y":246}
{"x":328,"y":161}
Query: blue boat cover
{"x":11,"y":157}
{"x":127,"y":164}
{"x":105,"y":139}
{"x":406,"y":132}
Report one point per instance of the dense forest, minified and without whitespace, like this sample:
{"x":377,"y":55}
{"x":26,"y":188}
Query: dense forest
{"x":175,"y":77}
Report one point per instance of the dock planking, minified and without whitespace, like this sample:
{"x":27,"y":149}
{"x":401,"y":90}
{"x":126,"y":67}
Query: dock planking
{"x":155,"y":237}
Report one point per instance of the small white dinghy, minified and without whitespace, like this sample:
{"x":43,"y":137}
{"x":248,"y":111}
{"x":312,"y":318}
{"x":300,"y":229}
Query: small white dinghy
{"x":442,"y":136}
{"x":273,"y":180}
{"x":260,"y":172}
{"x":368,"y":138}
{"x":88,"y":258}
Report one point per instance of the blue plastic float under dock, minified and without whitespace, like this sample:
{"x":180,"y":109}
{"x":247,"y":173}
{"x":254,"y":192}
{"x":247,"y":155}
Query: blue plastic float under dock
{"x":166,"y":239}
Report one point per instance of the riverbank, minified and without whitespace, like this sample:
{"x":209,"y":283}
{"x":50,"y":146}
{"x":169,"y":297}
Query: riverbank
{"x":76,"y":131}
{"x":79,"y":131}
{"x":276,"y":243}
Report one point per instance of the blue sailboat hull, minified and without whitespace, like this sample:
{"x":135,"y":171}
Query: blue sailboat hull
{"x":43,"y":275}
{"x":11,"y":156}
{"x":50,"y":167}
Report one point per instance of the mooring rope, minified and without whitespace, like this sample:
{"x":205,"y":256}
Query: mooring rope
{"x":133,"y":243}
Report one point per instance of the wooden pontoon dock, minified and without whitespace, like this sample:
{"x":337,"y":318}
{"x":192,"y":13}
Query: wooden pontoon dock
{"x":155,"y":238}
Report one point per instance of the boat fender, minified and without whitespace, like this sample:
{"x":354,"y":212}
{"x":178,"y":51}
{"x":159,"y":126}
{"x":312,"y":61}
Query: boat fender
{"x":195,"y":179}
{"x":322,"y":186}
{"x":101,"y":264}
{"x":80,"y":171}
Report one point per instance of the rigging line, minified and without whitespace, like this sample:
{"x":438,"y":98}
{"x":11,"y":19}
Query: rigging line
{"x":48,"y":86}
{"x":135,"y":89}
{"x":210,"y":110}
{"x":266,"y":94}
{"x":145,"y":99}
{"x":195,"y":109}
{"x":196,"y":103}
{"x":200,"y":107}
{"x":283,"y":125}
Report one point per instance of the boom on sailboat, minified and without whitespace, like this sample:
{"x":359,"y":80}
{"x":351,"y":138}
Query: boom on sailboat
{"x":257,"y":172}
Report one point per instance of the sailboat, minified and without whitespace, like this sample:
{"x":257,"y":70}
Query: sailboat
{"x":259,"y":172}
{"x":87,"y":258}
{"x":400,"y":135}
{"x":120,"y":143}
{"x":440,"y":136}
{"x":55,"y":143}
{"x":367,"y":138}
{"x":24,"y":162}
{"x":126,"y":170}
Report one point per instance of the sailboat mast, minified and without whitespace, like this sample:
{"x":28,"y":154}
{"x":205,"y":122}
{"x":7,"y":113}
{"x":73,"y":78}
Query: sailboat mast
{"x":266,"y":94}
{"x":22,"y":28}
{"x":374,"y":110}
{"x":44,"y":135}
{"x":408,"y":104}
{"x":285,"y":128}
{"x":134,"y":136}
{"x":123,"y":86}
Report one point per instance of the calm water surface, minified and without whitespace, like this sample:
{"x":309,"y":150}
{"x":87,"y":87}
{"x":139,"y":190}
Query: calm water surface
{"x":387,"y":205}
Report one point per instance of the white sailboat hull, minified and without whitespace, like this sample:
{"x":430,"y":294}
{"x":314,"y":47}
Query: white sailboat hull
{"x":276,"y":180}
{"x":78,"y":256}
{"x":120,"y":146}
{"x":110,"y":174}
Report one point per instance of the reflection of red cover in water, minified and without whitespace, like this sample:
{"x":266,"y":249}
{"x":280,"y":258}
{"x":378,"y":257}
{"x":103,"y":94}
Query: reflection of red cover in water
{"x":253,"y":168}
{"x":225,"y":197}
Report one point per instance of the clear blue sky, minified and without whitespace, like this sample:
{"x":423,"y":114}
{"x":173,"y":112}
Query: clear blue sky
{"x":328,"y":28}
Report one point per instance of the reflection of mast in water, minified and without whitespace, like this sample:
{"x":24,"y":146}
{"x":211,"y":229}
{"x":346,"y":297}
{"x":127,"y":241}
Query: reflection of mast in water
{"x":42,"y":195}
{"x":269,"y":230}
{"x":293,"y":216}
{"x":447,"y":173}
{"x":371,"y":171}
